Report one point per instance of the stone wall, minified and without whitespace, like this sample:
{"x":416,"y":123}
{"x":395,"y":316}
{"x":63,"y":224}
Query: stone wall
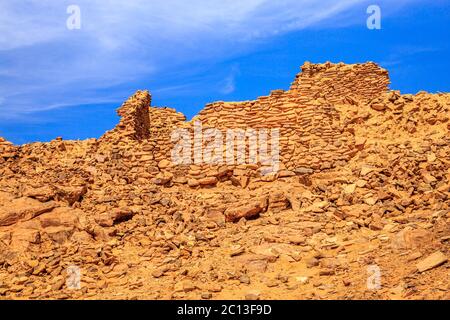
{"x":339,"y":82}
{"x":134,"y":118}
{"x":162,"y":123}
{"x":312,"y":134}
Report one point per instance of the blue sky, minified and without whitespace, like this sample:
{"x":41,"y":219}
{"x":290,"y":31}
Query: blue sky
{"x":60,"y":82}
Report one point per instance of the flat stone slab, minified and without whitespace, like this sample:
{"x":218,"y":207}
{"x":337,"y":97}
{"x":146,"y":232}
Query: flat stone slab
{"x":432,"y":261}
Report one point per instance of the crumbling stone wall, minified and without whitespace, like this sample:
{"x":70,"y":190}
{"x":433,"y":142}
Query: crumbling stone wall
{"x":162,"y":123}
{"x":135,"y":121}
{"x":311,"y":132}
{"x":312,"y":135}
{"x":339,"y":82}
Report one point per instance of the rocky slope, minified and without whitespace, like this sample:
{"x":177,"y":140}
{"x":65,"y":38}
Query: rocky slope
{"x":359,"y":208}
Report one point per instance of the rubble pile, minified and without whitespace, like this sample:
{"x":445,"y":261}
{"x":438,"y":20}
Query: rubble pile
{"x":362,"y":191}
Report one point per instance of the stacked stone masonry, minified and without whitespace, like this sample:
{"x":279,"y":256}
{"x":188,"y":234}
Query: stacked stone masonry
{"x":313,"y":134}
{"x":135,"y":121}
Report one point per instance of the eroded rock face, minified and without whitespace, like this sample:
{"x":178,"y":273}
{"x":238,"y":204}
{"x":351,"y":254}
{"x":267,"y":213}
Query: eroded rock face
{"x":363,"y":181}
{"x":22,"y":209}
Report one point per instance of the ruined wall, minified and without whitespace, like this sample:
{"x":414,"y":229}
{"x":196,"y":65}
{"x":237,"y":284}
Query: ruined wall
{"x":336,"y":82}
{"x":135,"y":121}
{"x":162,"y":123}
{"x":312,"y":134}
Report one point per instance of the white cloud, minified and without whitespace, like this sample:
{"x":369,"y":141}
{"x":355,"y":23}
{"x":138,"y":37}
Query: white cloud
{"x":123,"y":41}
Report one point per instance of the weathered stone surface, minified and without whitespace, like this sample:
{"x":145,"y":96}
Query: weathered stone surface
{"x":114,"y":216}
{"x":22,"y":209}
{"x":42,"y":194}
{"x":432,"y":261}
{"x":59,"y":234}
{"x":21,"y":238}
{"x":71,"y":194}
{"x":410,"y":238}
{"x":209,"y":181}
{"x":61,"y":217}
{"x":249,"y":210}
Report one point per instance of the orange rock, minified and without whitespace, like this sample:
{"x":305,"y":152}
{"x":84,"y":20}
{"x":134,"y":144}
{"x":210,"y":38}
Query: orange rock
{"x":250,"y":210}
